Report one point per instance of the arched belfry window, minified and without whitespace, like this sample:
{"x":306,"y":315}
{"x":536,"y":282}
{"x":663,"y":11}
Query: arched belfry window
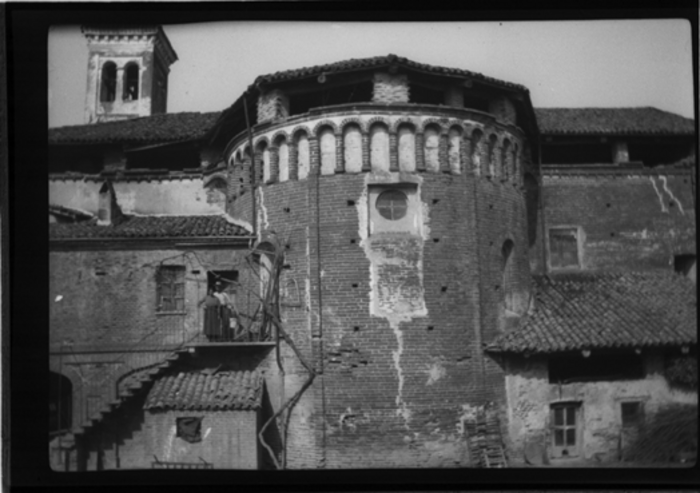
{"x":131,"y":82}
{"x":108,"y":86}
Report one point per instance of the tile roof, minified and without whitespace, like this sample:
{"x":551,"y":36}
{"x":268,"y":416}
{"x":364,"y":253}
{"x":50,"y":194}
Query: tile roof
{"x":612,"y":121}
{"x":206,"y":391}
{"x":362,"y":63}
{"x":149,"y":227}
{"x":74,"y":214}
{"x":166,"y":127}
{"x":611,"y":310}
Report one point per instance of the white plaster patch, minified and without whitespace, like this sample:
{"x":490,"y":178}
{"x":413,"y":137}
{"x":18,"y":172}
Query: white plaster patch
{"x":670,"y":194}
{"x":169,"y":443}
{"x":206,"y":433}
{"x":262,"y":212}
{"x":435,"y":372}
{"x":661,"y":198}
{"x":238,"y":222}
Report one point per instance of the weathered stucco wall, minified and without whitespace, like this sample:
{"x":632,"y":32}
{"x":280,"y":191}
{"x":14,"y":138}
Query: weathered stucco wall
{"x":530,"y":396}
{"x":171,"y":197}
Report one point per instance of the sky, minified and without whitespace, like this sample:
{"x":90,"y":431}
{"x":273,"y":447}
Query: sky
{"x":609,"y":63}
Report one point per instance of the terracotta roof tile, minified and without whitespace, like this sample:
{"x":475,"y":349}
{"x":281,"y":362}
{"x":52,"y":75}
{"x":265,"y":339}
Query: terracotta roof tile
{"x":149,"y":227}
{"x":73,"y":214}
{"x":361,"y":63}
{"x":202,"y":391}
{"x":632,"y":309}
{"x":612,"y":121}
{"x":167,"y":127}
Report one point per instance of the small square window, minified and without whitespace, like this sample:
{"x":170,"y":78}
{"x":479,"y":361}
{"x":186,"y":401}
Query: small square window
{"x":189,"y":429}
{"x":563,"y":248}
{"x":632,"y":413}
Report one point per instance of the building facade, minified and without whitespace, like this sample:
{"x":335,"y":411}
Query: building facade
{"x":381,"y":237}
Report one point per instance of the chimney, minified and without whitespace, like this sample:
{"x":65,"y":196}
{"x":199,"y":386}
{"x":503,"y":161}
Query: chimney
{"x":109,"y":213}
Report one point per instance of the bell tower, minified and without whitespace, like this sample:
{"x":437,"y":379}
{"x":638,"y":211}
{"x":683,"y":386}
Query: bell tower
{"x":127,"y":72}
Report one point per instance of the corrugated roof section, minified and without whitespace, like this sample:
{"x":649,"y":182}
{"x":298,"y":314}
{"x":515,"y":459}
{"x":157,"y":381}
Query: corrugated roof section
{"x":167,"y":127}
{"x":207,"y":391}
{"x":150,"y":227}
{"x":612,"y":121}
{"x":612,"y":310}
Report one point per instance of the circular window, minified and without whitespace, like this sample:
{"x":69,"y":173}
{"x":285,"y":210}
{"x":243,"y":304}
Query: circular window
{"x":392,"y":204}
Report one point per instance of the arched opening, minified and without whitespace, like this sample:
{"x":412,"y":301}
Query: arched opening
{"x":264,"y":153}
{"x":302,"y":155}
{"x":283,"y":159}
{"x":431,"y":138}
{"x":407,"y":148}
{"x":506,"y":163}
{"x":379,"y":147}
{"x":108,"y":85}
{"x":352,"y":143}
{"x":507,"y":275}
{"x":454,"y":149}
{"x":60,"y":402}
{"x":131,"y":82}
{"x":493,"y":155}
{"x":477,"y":153}
{"x":327,"y":144}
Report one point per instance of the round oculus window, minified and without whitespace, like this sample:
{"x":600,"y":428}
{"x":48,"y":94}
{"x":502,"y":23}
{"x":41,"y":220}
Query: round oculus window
{"x":392,"y":204}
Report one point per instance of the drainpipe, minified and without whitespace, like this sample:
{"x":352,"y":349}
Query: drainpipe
{"x":254,"y":219}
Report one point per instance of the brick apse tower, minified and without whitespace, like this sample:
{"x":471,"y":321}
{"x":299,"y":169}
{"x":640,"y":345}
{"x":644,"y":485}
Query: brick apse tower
{"x":400,"y":194}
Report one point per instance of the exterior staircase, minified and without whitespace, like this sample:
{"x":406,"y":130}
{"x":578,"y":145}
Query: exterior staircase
{"x":485,"y":440}
{"x":130,"y":387}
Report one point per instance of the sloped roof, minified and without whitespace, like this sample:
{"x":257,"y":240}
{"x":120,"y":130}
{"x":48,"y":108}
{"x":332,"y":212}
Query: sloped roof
{"x":174,"y":127}
{"x":610,"y":310}
{"x":612,"y":121}
{"x":149,"y":227}
{"x":206,"y":391}
{"x":74,"y":214}
{"x":378,"y":61}
{"x":166,"y":127}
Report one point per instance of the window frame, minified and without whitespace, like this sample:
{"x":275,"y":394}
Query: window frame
{"x":198,"y":434}
{"x":578,"y":231}
{"x":172,"y":283}
{"x":566,"y":450}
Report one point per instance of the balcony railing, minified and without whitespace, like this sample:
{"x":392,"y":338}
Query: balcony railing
{"x":221,"y":324}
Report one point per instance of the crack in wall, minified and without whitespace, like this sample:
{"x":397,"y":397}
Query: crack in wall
{"x":395,"y":283}
{"x":661,"y":198}
{"x":262,"y":213}
{"x":670,"y":194}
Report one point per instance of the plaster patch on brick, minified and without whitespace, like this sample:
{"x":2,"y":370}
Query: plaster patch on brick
{"x":237,"y":222}
{"x":169,"y":443}
{"x":435,"y":372}
{"x":658,"y":194}
{"x":670,"y":194}
{"x":206,"y":433}
{"x":262,"y":212}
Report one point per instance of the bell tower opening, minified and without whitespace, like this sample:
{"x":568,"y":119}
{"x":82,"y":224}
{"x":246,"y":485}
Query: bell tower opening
{"x":128,"y":71}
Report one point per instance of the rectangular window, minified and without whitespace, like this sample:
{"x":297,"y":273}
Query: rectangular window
{"x":632,"y":413}
{"x":563,"y":248}
{"x":565,"y":430}
{"x":171,"y":288}
{"x":189,"y":429}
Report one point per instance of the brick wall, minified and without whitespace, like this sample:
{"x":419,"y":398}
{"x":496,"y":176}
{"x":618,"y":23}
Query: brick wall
{"x":390,"y":88}
{"x":272,"y":106}
{"x":636,"y":220}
